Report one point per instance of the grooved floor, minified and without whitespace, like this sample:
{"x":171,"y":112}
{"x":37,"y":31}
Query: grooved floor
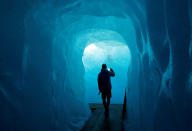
{"x":98,"y":121}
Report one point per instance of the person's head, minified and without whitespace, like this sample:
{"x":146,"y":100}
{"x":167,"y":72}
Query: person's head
{"x":104,"y":66}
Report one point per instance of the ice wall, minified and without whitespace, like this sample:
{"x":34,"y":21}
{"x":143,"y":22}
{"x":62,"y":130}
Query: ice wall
{"x":42,"y":41}
{"x":36,"y":92}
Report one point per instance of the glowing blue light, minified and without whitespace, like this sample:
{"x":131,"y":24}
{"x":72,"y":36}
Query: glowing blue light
{"x":117,"y":56}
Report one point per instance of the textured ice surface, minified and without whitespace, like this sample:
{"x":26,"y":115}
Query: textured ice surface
{"x":42,"y":83}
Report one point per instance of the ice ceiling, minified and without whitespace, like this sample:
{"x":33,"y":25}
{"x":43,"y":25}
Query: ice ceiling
{"x":42,"y":83}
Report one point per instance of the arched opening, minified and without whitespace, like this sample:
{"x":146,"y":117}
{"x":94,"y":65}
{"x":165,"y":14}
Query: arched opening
{"x":42,"y":73}
{"x":69,"y":50}
{"x":71,"y":35}
{"x":117,"y":56}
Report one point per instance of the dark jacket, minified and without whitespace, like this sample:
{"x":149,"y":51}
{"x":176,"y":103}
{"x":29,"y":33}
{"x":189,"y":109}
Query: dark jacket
{"x":104,"y":80}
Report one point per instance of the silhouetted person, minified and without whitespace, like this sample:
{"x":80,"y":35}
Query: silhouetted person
{"x":104,"y":83}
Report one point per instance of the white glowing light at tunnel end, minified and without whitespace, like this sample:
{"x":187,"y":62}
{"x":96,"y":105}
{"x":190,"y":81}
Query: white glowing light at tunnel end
{"x":117,"y":56}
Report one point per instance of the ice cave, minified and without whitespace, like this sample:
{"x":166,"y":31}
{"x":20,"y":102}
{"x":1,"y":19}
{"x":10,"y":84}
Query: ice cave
{"x":51,"y":53}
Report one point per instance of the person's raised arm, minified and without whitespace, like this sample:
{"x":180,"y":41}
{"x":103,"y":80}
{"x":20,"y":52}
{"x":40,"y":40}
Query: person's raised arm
{"x":111,"y":72}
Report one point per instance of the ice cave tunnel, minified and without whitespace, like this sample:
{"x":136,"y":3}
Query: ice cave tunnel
{"x":52,"y":51}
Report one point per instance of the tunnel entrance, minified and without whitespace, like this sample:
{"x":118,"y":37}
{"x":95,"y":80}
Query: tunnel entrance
{"x":117,"y":56}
